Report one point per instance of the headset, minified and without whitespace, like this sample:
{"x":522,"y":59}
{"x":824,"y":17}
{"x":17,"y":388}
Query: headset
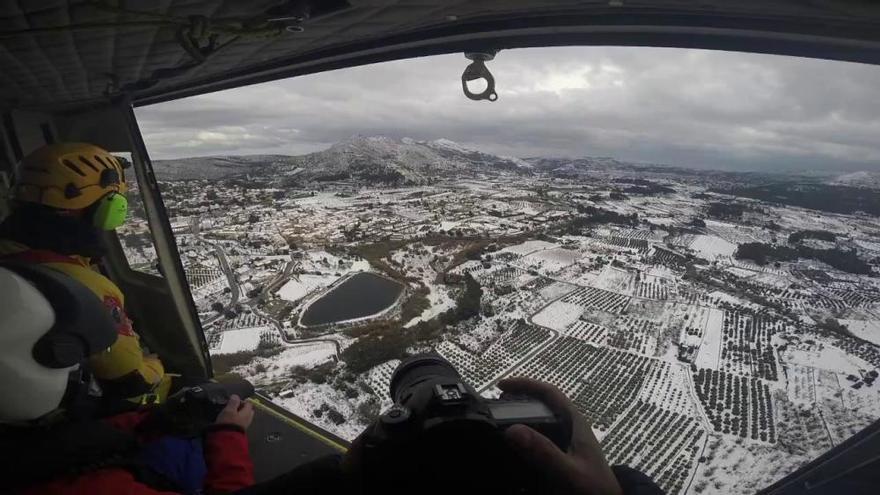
{"x":110,"y":211}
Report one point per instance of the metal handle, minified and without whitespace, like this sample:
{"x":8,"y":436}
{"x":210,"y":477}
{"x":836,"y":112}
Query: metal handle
{"x":478,"y":70}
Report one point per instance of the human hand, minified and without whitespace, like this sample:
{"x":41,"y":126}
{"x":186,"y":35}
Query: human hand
{"x":237,"y":412}
{"x":582,"y":470}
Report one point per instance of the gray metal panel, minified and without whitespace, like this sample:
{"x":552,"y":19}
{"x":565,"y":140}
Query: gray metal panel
{"x":853,"y":467}
{"x":45,"y":62}
{"x":281,"y":441}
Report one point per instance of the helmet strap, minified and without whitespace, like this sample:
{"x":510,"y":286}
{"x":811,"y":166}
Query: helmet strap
{"x":41,"y":227}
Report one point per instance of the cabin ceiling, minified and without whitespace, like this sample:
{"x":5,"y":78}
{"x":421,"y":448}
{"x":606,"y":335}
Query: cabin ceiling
{"x":66,"y":54}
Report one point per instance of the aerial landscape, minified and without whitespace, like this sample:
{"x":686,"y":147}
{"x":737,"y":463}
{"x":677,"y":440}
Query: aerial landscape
{"x":718,"y":329}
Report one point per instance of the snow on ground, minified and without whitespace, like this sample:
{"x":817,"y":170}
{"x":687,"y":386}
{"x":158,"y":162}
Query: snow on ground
{"x":742,"y":468}
{"x":307,"y":397}
{"x":440,"y":300}
{"x":556,"y":290}
{"x":323,"y":260}
{"x":558,"y":315}
{"x":325,"y":199}
{"x":868,"y":245}
{"x":294,"y":290}
{"x":740,"y":272}
{"x":668,"y":387}
{"x":245,"y":339}
{"x":268,"y":370}
{"x":307,"y":355}
{"x":614,"y":279}
{"x":818,"y":244}
{"x":551,"y":260}
{"x":826,"y":357}
{"x":528,"y":247}
{"x":864,"y":329}
{"x":417,"y":261}
{"x":719,"y":297}
{"x":661,"y":220}
{"x":485,"y":332}
{"x":770,"y":279}
{"x":710,"y":352}
{"x":661,"y":271}
{"x":712,"y":247}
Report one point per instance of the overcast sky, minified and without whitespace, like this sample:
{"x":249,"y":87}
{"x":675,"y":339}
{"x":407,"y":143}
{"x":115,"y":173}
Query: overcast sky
{"x":691,"y":108}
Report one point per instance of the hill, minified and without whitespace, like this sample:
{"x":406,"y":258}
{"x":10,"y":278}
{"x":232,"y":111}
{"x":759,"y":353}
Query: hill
{"x":213,"y":167}
{"x":370,"y":160}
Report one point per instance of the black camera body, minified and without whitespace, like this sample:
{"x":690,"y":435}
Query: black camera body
{"x":209,"y":398}
{"x":191,"y":409}
{"x":442,"y":436}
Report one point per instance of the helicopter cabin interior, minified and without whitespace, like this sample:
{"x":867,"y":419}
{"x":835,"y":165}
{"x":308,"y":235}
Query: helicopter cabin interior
{"x":73,"y":71}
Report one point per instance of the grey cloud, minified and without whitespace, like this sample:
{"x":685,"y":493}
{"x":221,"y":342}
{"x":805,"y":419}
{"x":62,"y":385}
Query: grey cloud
{"x":682,"y":107}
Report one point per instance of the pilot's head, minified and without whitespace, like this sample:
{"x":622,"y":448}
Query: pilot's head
{"x":77,"y":180}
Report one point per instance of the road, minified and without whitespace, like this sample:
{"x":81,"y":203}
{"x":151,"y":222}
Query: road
{"x":290,"y":341}
{"x":230,"y":279}
{"x":195,"y":229}
{"x":279,"y":280}
{"x":230,"y":275}
{"x":703,"y":418}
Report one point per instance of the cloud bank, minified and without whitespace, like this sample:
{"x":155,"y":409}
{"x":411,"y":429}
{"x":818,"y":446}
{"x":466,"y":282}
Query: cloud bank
{"x":692,"y":108}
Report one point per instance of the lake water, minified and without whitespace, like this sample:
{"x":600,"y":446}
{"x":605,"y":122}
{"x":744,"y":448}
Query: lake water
{"x":362,"y":294}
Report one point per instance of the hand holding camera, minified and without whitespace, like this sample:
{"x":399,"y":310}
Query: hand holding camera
{"x":192,"y":409}
{"x":582,"y":469}
{"x":236,"y":413}
{"x":441,"y":436}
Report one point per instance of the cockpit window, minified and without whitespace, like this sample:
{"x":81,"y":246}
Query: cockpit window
{"x":685,"y":242}
{"x":135,"y":234}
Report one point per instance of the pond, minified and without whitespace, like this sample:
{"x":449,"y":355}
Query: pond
{"x":362,"y":294}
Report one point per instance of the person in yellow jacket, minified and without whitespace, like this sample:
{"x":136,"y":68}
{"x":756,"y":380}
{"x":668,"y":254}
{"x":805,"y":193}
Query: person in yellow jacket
{"x":65,"y":194}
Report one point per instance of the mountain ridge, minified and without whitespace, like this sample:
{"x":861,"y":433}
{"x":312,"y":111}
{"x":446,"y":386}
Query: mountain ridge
{"x":369,"y":159}
{"x":382,"y":160}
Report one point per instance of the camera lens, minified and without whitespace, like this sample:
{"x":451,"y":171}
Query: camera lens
{"x":418,"y":369}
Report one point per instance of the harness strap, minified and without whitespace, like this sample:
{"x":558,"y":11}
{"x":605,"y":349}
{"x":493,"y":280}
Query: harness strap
{"x":40,"y":256}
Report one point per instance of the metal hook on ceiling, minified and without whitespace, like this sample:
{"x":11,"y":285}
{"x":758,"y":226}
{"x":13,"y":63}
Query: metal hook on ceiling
{"x":477,"y":70}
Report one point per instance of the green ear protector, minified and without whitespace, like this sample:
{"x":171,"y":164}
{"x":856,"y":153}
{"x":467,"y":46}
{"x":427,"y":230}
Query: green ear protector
{"x":110,"y":211}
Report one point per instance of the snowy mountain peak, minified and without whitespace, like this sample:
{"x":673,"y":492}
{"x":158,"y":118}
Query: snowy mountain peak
{"x":404,"y":161}
{"x":450,"y":145}
{"x":366,"y":159}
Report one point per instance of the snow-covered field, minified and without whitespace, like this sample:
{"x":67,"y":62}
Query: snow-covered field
{"x":528,"y":247}
{"x":550,"y":260}
{"x":305,"y":399}
{"x":710,"y":350}
{"x":296,"y":289}
{"x":307,"y":355}
{"x":558,"y":315}
{"x":711,"y":247}
{"x":556,"y":290}
{"x":864,"y":329}
{"x":245,"y":339}
{"x":825,"y":357}
{"x":614,"y":279}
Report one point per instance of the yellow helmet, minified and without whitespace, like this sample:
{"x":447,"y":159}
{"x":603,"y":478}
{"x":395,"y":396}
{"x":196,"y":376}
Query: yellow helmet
{"x":70,"y":176}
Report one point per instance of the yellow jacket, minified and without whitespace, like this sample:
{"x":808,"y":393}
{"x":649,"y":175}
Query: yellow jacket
{"x":123,"y":368}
